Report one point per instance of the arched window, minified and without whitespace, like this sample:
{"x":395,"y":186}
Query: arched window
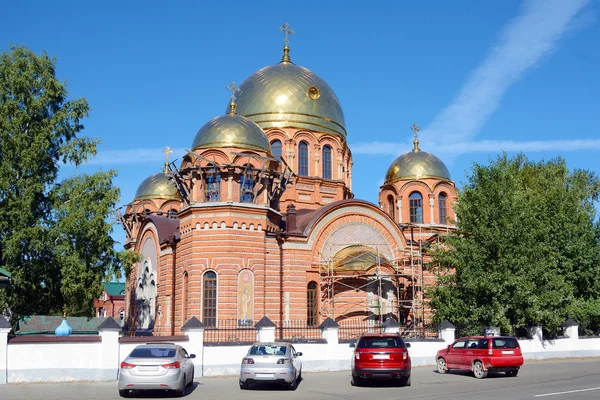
{"x":416,"y":207}
{"x":312,"y":312}
{"x":213,"y":184}
{"x":391,"y":206}
{"x":442,"y":204}
{"x":277,"y":149}
{"x":209,"y":299}
{"x":303,"y":159}
{"x":326,"y":162}
{"x":247,"y":188}
{"x":186,"y":297}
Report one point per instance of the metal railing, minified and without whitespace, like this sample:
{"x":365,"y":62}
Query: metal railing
{"x":351,"y":329}
{"x":298,"y":331}
{"x":229,"y":331}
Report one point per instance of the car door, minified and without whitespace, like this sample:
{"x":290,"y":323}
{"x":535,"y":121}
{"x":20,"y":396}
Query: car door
{"x":296,"y":360}
{"x":455,"y":353}
{"x":470,"y":353}
{"x":187,"y":363}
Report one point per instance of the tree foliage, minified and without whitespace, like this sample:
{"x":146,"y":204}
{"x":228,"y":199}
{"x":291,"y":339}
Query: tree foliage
{"x":54,"y":235}
{"x":526,"y":250}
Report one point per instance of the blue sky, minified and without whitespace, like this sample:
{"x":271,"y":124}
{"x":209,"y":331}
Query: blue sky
{"x":479,"y":77}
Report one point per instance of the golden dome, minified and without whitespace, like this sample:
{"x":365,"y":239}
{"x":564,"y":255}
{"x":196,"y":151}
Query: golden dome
{"x":287,"y":95}
{"x":417,"y":164}
{"x":157,"y":186}
{"x":231,"y":131}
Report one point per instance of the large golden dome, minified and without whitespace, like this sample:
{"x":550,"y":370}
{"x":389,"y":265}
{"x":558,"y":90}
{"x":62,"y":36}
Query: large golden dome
{"x":157,"y":186}
{"x":417,"y":164}
{"x":287,"y":95}
{"x":231,"y":131}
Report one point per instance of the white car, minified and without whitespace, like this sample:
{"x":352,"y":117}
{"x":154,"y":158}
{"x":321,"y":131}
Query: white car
{"x":276,"y":362}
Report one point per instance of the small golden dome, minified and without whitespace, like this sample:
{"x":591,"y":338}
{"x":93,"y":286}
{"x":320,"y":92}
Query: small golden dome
{"x":287,"y":95}
{"x":231,"y":131}
{"x":157,"y":186}
{"x":417,"y":164}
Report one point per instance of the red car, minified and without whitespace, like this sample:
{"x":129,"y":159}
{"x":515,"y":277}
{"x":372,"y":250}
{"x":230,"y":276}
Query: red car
{"x":482,"y":354}
{"x":380,"y":356}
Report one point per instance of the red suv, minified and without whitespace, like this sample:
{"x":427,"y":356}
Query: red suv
{"x":380,"y":356}
{"x":482,"y":354}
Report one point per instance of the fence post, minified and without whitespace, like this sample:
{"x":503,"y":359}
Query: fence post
{"x":109,"y":332}
{"x":492,"y":331}
{"x":329,"y":331}
{"x":571,"y":328}
{"x":194,"y":329}
{"x":446,"y":331}
{"x":266,"y":330}
{"x":391,"y":326}
{"x":4,"y":330}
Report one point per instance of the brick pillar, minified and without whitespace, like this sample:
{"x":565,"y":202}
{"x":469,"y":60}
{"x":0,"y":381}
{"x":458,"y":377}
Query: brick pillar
{"x":109,"y":332}
{"x":446,"y":331}
{"x":266,"y":330}
{"x":194,"y":329}
{"x":4,"y":331}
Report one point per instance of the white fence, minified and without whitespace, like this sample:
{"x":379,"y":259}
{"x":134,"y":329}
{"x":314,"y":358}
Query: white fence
{"x":97,"y":357}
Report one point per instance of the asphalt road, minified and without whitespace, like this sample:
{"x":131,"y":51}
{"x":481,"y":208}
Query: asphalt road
{"x":544,"y":380}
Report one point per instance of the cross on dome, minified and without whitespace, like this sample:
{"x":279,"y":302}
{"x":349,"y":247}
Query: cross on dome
{"x":167,"y":150}
{"x":285,"y":28}
{"x":415,"y":128}
{"x":232,"y":105}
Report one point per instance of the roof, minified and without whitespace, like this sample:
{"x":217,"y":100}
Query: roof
{"x":45,"y":325}
{"x":115,"y":288}
{"x":4,"y":278}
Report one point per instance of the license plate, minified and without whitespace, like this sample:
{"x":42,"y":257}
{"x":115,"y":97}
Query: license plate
{"x":508,"y":352}
{"x":265,"y":376}
{"x":381,"y":357}
{"x":148,"y":368}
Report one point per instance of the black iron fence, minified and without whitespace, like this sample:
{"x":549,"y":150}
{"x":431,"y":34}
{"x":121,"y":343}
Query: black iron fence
{"x":229,"y":331}
{"x":350,"y":330}
{"x":298,"y":331}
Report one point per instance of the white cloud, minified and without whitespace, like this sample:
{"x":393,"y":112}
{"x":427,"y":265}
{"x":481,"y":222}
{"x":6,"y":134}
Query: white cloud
{"x":134,"y":156}
{"x":484,"y":146}
{"x":522,"y":44}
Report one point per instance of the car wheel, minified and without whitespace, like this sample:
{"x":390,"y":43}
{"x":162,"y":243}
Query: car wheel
{"x":191,"y":382}
{"x":124,"y":393}
{"x":478,"y":370}
{"x":293,"y":384}
{"x":181,"y":391}
{"x":355,"y":381}
{"x":441,"y":366}
{"x":512,"y":373}
{"x":244,"y":385}
{"x":300,"y":375}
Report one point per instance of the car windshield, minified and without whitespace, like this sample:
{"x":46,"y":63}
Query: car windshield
{"x":153,"y":352}
{"x":505,"y":343}
{"x":380,"y":342}
{"x":271,"y":349}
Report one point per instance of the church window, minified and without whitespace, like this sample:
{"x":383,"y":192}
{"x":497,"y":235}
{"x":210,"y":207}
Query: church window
{"x":209,"y":299}
{"x":312,"y":312}
{"x":303,"y":159}
{"x":391,"y":206}
{"x":185,"y":297}
{"x":442,"y":204}
{"x":213,"y":184}
{"x":326,"y":162}
{"x":247,"y":188}
{"x":416,"y":207}
{"x":276,"y":149}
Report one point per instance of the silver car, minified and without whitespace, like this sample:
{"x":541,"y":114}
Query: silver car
{"x":156,"y":366}
{"x":276,"y":362}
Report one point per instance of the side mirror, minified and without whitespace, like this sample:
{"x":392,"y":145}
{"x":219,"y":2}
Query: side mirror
{"x":192,"y":356}
{"x":407,"y":345}
{"x":449,"y":347}
{"x":298,"y":354}
{"x":352,"y":345}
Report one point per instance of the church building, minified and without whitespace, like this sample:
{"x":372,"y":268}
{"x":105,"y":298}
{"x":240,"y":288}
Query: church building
{"x":259,"y":218}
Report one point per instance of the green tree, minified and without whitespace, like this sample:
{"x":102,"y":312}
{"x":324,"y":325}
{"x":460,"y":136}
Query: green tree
{"x":526,"y":250}
{"x":54,"y":235}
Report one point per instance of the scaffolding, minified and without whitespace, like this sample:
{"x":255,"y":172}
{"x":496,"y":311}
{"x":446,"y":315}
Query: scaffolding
{"x":405,"y":270}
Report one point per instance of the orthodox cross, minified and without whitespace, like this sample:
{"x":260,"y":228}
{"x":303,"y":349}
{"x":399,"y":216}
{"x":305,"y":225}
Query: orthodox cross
{"x":285,"y":28}
{"x":167,"y":150}
{"x":415,"y":128}
{"x":233,"y":90}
